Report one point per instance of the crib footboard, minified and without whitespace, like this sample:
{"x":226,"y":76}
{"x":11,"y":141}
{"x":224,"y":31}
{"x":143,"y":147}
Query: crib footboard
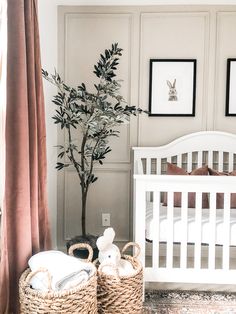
{"x":187,"y":245}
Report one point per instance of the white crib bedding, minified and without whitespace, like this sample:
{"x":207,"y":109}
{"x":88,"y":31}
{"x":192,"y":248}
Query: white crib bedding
{"x":177,"y":235}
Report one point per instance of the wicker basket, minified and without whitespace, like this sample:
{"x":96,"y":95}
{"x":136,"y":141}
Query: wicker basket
{"x":121,"y":294}
{"x":81,"y":299}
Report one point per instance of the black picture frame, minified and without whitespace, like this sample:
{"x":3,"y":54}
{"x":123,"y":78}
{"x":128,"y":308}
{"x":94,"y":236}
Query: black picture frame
{"x":230,"y":106}
{"x":172,"y":87}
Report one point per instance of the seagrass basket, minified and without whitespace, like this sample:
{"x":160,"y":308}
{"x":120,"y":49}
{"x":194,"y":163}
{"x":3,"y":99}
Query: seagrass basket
{"x":81,"y":299}
{"x":121,"y":294}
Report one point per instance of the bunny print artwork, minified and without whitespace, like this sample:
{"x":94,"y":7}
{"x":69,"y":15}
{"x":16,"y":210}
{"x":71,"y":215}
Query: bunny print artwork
{"x":172,"y":91}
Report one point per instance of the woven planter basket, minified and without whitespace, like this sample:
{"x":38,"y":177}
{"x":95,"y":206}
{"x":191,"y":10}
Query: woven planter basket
{"x":121,"y":294}
{"x":81,"y":299}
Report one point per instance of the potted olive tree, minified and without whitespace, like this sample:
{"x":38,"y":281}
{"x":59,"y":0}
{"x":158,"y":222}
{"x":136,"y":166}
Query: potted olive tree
{"x":97,"y":115}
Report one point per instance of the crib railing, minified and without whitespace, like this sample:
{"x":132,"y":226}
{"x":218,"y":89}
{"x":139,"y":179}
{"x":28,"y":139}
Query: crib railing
{"x":213,"y":148}
{"x":157,"y":184}
{"x":222,"y":161}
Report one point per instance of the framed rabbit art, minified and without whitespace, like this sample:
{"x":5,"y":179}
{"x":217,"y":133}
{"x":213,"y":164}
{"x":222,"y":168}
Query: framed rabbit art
{"x":172,"y":87}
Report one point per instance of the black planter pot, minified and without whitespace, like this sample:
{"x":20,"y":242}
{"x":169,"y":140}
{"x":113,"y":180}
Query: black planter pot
{"x":83,"y":253}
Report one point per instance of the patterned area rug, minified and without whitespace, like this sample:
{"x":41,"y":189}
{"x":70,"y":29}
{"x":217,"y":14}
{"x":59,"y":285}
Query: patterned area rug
{"x":189,"y":302}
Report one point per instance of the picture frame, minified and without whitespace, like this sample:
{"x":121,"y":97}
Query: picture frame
{"x":230,"y":108}
{"x":172,"y":87}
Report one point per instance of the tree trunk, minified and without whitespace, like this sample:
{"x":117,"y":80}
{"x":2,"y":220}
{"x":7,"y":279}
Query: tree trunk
{"x":83,"y":216}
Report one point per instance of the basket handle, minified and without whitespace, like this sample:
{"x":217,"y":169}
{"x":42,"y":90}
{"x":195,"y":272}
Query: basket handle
{"x":95,"y":262}
{"x":132,"y":244}
{"x":101,"y":266}
{"x":80,"y":246}
{"x":40,"y":270}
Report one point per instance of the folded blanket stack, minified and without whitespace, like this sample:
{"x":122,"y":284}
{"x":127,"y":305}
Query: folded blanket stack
{"x":66,"y":271}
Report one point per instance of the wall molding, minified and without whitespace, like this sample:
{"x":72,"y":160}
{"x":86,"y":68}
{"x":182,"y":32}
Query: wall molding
{"x":125,"y":173}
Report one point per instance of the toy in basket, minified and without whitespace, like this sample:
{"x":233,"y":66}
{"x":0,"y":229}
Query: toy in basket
{"x":81,"y":299}
{"x":120,"y":278}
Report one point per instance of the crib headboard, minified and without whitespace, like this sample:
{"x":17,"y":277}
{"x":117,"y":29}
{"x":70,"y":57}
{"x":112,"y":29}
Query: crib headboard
{"x":213,"y":148}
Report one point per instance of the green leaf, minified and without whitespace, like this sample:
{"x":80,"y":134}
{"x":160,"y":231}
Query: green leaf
{"x":61,"y":155}
{"x":61,"y":165}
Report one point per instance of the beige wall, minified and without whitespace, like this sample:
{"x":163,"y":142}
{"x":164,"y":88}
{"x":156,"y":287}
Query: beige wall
{"x":206,"y":33}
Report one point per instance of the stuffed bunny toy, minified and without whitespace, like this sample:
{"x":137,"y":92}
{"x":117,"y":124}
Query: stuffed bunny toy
{"x":109,"y":254}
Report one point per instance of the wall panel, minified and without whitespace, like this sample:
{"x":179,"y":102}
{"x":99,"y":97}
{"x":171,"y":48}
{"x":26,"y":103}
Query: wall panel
{"x":110,"y":194}
{"x":225,"y":48}
{"x":175,"y":35}
{"x":84,"y":35}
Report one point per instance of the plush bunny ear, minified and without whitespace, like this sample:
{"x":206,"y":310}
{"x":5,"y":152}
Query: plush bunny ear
{"x":101,"y":243}
{"x":169,"y":83}
{"x":109,"y":234}
{"x":104,"y":241}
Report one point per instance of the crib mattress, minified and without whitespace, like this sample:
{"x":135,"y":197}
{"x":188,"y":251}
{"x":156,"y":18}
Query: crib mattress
{"x":191,"y":236}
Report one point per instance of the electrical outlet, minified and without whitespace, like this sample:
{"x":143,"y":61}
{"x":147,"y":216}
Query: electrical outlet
{"x":106,"y":220}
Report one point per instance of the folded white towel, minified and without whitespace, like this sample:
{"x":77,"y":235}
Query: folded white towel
{"x":65,"y":271}
{"x":72,"y":280}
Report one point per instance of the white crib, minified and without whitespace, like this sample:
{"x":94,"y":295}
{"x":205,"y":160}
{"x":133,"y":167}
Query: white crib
{"x":189,"y":245}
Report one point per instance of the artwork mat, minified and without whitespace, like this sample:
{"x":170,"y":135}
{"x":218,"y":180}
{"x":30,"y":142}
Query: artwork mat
{"x":184,"y":71}
{"x":230,"y":87}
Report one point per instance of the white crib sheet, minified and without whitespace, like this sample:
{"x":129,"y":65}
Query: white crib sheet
{"x":178,"y":230}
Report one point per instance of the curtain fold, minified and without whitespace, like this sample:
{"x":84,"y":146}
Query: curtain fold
{"x":3,"y":53}
{"x":25,"y":225}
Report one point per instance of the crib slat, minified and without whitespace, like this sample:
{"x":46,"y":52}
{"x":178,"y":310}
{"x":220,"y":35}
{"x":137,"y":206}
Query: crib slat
{"x":210,"y":158}
{"x":231,"y":162}
{"x":179,"y":161}
{"x":220,"y":160}
{"x":190,"y":163}
{"x":170,"y":228}
{"x":138,"y":167}
{"x":199,"y":159}
{"x":156,"y":231}
{"x":148,"y":165}
{"x":184,"y":223}
{"x":139,"y":219}
{"x":212,"y":219}
{"x":198,"y":231}
{"x":158,"y":165}
{"x":148,"y":171}
{"x":226,"y":242}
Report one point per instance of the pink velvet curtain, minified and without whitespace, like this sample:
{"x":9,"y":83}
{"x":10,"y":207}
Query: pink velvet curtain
{"x":25,"y":226}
